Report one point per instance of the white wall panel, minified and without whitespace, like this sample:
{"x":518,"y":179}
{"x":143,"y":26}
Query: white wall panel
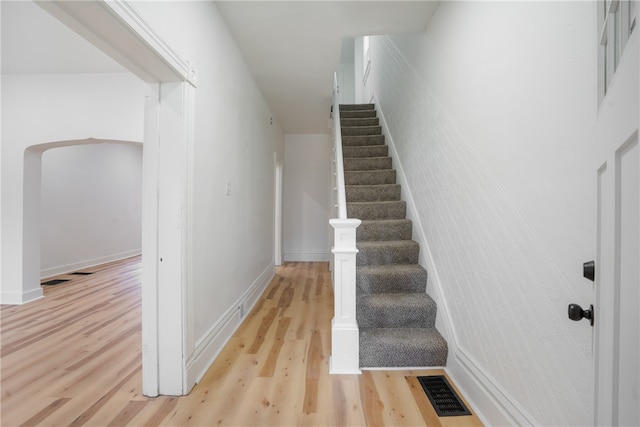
{"x":307,"y":168}
{"x":91,"y":205}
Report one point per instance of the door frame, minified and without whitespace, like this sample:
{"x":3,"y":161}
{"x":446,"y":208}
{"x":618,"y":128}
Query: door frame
{"x":618,"y":124}
{"x":278,"y":182}
{"x":117,"y":29}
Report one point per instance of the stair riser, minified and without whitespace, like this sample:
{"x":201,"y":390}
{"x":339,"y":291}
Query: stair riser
{"x":369,"y":163}
{"x":386,"y":256}
{"x":363,"y":114}
{"x":361,"y":130}
{"x":377,"y":210}
{"x":359,"y":140}
{"x":367,"y":121}
{"x":356,"y":107}
{"x":401,"y":230}
{"x":365,"y":151}
{"x":373,"y":193}
{"x":370,"y":177}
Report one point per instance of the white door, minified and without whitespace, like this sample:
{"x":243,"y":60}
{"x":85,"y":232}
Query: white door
{"x":617,"y":280}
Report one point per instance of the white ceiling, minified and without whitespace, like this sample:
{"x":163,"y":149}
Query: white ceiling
{"x":291,"y":47}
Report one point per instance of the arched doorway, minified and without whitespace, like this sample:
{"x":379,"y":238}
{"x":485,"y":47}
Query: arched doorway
{"x":94,"y":213}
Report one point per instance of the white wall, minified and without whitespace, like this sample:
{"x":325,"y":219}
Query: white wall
{"x":492,"y":114}
{"x":91,"y":205}
{"x":307,"y":169}
{"x":346,"y":72}
{"x":230,"y":247}
{"x":42,"y":111}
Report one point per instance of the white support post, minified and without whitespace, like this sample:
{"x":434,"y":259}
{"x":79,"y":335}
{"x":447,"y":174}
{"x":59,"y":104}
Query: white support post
{"x":345,"y":341}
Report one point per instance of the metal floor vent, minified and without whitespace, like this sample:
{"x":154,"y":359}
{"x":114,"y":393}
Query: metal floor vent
{"x":54,"y":282}
{"x":81,"y":273}
{"x":442,"y":396}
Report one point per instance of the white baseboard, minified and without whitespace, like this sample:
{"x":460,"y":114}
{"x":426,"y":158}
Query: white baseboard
{"x":18,"y":298}
{"x":482,"y":392}
{"x":68,"y":268}
{"x":209,"y":346}
{"x":306,"y":256}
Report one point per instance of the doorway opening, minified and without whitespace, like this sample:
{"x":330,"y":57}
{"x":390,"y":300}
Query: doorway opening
{"x":91,"y":195}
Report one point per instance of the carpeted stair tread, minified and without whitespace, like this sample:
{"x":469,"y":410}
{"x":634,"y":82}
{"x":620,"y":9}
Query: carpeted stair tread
{"x":367,"y":163}
{"x":391,"y":278}
{"x":361,"y":130}
{"x":370,"y":177}
{"x":387,"y":252}
{"x":358,"y":151}
{"x":400,"y":347}
{"x":396,"y":310}
{"x":373,"y":193}
{"x":358,"y":114}
{"x":384,"y":229}
{"x":359,"y":121}
{"x":359,"y":140}
{"x":396,"y":316}
{"x":356,"y":107}
{"x":377,"y":210}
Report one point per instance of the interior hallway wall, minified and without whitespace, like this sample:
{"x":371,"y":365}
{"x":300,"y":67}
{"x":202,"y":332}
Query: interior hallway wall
{"x":307,"y":169}
{"x":91,"y":205}
{"x":492,"y":113}
{"x":230,"y":243}
{"x":45,"y":108}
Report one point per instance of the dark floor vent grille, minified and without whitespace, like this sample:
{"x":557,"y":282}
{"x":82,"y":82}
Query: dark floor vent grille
{"x":53,"y":282}
{"x":81,"y":273}
{"x":442,"y":396}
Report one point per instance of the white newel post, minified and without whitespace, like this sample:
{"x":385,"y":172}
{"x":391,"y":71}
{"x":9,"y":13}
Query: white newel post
{"x":345,"y":342}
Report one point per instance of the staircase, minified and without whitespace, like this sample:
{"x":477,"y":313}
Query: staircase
{"x":395,"y":315}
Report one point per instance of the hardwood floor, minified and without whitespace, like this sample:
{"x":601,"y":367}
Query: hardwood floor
{"x":73,"y":358}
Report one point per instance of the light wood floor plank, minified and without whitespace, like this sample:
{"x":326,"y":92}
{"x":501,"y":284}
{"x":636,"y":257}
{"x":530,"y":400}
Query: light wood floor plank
{"x":73,"y":358}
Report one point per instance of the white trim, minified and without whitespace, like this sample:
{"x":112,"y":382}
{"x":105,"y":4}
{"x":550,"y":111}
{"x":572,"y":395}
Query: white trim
{"x":306,"y":256}
{"x":209,"y":346}
{"x":18,"y":298}
{"x":123,"y":12}
{"x":483,"y":393}
{"x":403,"y":368}
{"x":68,"y":268}
{"x":115,"y":28}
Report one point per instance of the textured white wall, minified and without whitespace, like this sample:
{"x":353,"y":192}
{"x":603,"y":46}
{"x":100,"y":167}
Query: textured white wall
{"x":307,"y":169}
{"x":231,"y":245}
{"x":492,"y":113}
{"x":91,"y":205}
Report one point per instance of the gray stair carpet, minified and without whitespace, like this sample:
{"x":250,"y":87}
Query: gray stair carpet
{"x":395,"y":315}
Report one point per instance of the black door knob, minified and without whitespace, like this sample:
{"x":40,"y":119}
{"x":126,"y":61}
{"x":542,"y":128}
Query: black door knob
{"x":577,"y":313}
{"x":589,"y":270}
